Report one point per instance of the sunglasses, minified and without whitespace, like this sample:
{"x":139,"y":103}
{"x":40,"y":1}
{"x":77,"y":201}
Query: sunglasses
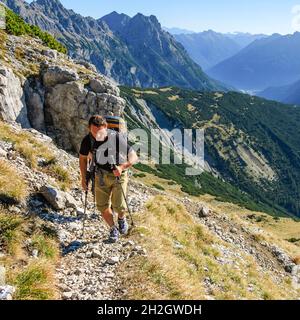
{"x":98,"y":125}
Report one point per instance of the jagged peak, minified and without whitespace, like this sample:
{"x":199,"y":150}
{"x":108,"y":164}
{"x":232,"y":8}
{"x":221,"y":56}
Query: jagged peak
{"x":49,"y":2}
{"x":149,"y":19}
{"x":115,"y":14}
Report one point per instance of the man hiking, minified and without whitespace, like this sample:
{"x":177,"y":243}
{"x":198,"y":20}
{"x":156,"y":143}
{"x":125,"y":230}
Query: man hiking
{"x":112,"y":156}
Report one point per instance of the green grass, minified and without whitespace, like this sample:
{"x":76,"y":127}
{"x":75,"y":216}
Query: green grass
{"x":10,"y":232}
{"x":33,"y":283}
{"x":46,"y":246}
{"x":158,"y":186}
{"x":15,"y":25}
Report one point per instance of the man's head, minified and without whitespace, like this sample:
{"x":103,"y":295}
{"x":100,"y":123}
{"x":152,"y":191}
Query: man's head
{"x":97,"y":123}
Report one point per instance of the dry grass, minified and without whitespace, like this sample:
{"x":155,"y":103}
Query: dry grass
{"x":144,"y":92}
{"x":19,"y":53}
{"x":170,"y":272}
{"x":165,"y":89}
{"x":28,"y":147}
{"x":174,"y":98}
{"x":33,"y":151}
{"x":191,"y":108}
{"x":13,"y":188}
{"x":279,"y":231}
{"x":3,"y":38}
{"x":33,"y":278}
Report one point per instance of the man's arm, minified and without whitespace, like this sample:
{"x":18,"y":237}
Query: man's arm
{"x":132,"y":159}
{"x":83,"y":161}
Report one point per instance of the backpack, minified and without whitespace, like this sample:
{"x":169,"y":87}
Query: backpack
{"x":116,"y":123}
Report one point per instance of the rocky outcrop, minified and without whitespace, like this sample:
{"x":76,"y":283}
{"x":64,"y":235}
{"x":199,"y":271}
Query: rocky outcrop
{"x":52,"y":93}
{"x":69,"y":103}
{"x":12,"y":100}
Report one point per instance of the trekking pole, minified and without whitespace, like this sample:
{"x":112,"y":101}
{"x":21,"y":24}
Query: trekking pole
{"x":118,"y":179}
{"x":84,"y":213}
{"x":124,"y":195}
{"x":90,"y":175}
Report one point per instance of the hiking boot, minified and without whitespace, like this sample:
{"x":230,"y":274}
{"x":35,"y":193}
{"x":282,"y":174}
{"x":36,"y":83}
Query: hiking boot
{"x":113,"y":235}
{"x":123,"y":226}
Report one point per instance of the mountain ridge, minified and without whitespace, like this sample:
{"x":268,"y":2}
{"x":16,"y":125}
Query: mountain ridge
{"x":266,"y":62}
{"x":92,"y":40}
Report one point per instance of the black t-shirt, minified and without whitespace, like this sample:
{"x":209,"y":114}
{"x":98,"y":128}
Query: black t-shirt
{"x":117,"y":144}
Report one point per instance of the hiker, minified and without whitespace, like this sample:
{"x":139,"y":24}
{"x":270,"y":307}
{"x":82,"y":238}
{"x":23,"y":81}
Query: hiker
{"x":108,"y":147}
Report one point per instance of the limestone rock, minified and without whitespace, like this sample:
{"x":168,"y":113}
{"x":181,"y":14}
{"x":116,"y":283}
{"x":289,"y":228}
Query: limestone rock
{"x":87,"y":65}
{"x":55,"y":198}
{"x":12,"y":101}
{"x":6,"y":292}
{"x":204,"y":212}
{"x":70,"y":202}
{"x":50,"y":53}
{"x":2,"y":275}
{"x":113,"y":260}
{"x":58,"y":75}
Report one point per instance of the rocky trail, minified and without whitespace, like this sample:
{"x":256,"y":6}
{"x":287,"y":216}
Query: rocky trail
{"x":88,"y":265}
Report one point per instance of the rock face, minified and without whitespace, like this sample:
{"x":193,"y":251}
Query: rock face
{"x":12,"y":101}
{"x":69,"y":104}
{"x":53,"y":94}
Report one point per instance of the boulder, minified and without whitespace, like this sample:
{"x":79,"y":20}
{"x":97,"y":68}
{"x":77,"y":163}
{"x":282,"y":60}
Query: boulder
{"x":70,"y":202}
{"x":96,"y":254}
{"x":54,"y":197}
{"x":50,"y":53}
{"x":204,"y":212}
{"x":87,"y":65}
{"x":104,"y":85}
{"x":58,"y":75}
{"x":113,"y":260}
{"x":6,"y":292}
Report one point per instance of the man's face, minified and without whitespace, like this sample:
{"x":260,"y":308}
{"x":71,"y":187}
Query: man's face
{"x":94,"y":129}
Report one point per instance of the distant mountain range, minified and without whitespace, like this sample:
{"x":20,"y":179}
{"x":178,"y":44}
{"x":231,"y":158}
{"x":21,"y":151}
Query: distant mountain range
{"x":243,"y":39}
{"x":209,"y":48}
{"x":178,"y":31}
{"x":266,"y":62}
{"x":287,"y":94}
{"x":133,"y":51}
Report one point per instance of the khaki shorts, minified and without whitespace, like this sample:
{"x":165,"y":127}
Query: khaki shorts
{"x":111,"y":195}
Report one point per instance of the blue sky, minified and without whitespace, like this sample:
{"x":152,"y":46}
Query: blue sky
{"x":255,"y":16}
